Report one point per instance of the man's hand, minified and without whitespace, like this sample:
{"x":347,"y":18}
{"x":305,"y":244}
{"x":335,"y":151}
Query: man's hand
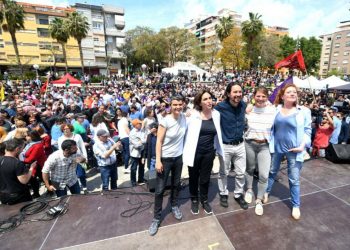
{"x":297,"y":150}
{"x":33,"y":166}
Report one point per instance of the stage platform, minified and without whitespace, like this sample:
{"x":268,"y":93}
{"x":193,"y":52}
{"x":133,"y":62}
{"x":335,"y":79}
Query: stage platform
{"x":95,"y":222}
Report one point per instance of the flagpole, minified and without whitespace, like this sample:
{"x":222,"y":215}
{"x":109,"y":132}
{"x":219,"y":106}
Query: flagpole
{"x":308,"y":80}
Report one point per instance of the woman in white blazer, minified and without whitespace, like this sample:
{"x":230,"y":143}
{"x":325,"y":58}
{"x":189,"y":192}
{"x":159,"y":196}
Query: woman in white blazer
{"x":203,"y":139}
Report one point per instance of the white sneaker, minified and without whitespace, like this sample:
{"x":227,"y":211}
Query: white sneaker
{"x":248,"y":197}
{"x":265,"y":198}
{"x":127,"y":171}
{"x":296,"y":213}
{"x":259,"y":210}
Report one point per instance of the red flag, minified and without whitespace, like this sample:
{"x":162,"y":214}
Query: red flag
{"x":43,"y":88}
{"x":293,"y":61}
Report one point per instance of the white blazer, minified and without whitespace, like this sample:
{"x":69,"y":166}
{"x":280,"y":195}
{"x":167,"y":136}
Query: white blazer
{"x":194,"y":123}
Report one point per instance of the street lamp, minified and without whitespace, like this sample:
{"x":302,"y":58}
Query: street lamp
{"x":157,"y":65}
{"x":153,"y":64}
{"x":143,"y":68}
{"x":50,"y":62}
{"x":36,"y":67}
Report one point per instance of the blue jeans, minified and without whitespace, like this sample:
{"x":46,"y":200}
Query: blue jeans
{"x":81,"y":175}
{"x":126,"y":151}
{"x":109,"y":171}
{"x":75,"y":189}
{"x":294,"y":168}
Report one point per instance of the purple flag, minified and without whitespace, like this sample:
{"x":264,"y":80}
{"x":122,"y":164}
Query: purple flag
{"x":272,"y":97}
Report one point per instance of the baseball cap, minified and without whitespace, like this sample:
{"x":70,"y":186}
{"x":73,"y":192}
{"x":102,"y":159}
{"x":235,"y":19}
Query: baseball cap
{"x":135,"y":122}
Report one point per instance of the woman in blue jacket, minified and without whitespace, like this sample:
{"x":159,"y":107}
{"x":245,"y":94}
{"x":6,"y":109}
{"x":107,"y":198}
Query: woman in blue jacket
{"x":290,"y":136}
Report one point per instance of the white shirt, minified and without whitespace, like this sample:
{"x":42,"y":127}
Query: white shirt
{"x":122,"y":125}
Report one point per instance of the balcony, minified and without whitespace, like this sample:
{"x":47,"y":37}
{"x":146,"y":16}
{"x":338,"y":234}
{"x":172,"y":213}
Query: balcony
{"x":115,"y":54}
{"x":100,"y":64}
{"x":113,"y":9}
{"x":114,"y":32}
{"x":120,"y":24}
{"x":100,"y":54}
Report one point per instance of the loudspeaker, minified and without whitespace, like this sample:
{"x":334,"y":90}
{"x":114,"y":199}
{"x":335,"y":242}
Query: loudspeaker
{"x":151,"y":178}
{"x":338,"y":153}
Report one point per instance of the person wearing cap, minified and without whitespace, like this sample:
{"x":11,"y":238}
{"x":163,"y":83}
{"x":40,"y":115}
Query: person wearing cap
{"x":137,"y":141}
{"x":104,"y":150}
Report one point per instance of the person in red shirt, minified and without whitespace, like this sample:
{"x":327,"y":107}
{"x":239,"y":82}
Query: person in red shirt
{"x":45,"y":139}
{"x":34,"y":151}
{"x":323,"y":133}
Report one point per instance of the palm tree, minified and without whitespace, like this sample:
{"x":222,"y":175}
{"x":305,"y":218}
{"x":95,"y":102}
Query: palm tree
{"x":251,"y":29}
{"x":59,"y":31}
{"x":12,"y":20}
{"x":78,"y":27}
{"x":224,"y":28}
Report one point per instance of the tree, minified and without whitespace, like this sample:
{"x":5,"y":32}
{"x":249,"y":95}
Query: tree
{"x":232,"y":52}
{"x":179,"y":43}
{"x":78,"y":28}
{"x":59,"y":31}
{"x":251,"y":30}
{"x":223,"y":29}
{"x":287,"y":46}
{"x":269,"y":51}
{"x":207,"y":56}
{"x":311,"y":49}
{"x":12,"y":20}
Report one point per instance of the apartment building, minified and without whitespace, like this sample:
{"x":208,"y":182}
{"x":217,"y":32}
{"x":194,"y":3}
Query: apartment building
{"x":101,"y":48}
{"x":34,"y":42}
{"x":204,"y":27}
{"x":336,"y":48}
{"x":276,"y":31}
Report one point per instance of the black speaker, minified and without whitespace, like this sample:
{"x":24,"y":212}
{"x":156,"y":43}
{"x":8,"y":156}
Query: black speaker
{"x":151,"y":178}
{"x":338,"y":153}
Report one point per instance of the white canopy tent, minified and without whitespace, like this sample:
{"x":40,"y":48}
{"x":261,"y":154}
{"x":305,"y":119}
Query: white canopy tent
{"x":335,"y":82}
{"x":185,"y":68}
{"x":296,"y":81}
{"x":310,"y":81}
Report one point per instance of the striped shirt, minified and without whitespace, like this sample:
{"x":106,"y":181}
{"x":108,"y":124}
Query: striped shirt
{"x":62,"y":169}
{"x":259,"y":122}
{"x":100,"y":148}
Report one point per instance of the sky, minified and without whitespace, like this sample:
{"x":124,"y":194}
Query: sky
{"x":302,"y":17}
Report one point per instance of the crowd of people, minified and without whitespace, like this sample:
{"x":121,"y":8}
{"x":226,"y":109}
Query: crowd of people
{"x":53,"y":137}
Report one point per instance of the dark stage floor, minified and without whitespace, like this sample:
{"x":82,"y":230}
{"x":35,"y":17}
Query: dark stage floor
{"x":95,"y":221}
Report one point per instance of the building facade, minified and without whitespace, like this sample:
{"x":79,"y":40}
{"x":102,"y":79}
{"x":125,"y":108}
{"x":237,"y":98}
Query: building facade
{"x":34,"y":42}
{"x":336,"y":51}
{"x":101,"y":48}
{"x":276,"y":31}
{"x":204,"y":27}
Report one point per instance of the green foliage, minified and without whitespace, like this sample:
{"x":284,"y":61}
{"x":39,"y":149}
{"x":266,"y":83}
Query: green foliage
{"x":310,"y":47}
{"x":252,"y":29}
{"x":223,"y":29}
{"x":59,"y":30}
{"x":269,"y":51}
{"x":334,"y":72}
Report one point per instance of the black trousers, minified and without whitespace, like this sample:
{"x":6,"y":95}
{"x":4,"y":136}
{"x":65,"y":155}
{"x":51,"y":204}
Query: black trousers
{"x":11,"y":199}
{"x":200,"y":174}
{"x":173,"y":165}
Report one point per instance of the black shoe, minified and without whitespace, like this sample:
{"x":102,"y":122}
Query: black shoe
{"x":240,"y":200}
{"x":194,"y":207}
{"x":223,"y":200}
{"x":207,"y":207}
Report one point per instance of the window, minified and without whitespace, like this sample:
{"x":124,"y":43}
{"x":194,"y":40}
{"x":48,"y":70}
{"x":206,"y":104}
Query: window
{"x":335,"y":62}
{"x":347,"y":44}
{"x":45,"y":46}
{"x":97,"y":25}
{"x":2,"y":45}
{"x":43,"y":19}
{"x":96,"y":39}
{"x":347,"y":53}
{"x":0,"y":31}
{"x":43,"y":32}
{"x":337,"y":45}
{"x":346,"y":61}
{"x":336,"y":53}
{"x":338,"y":37}
{"x":325,"y":63}
{"x":348,"y":34}
{"x":329,"y":39}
